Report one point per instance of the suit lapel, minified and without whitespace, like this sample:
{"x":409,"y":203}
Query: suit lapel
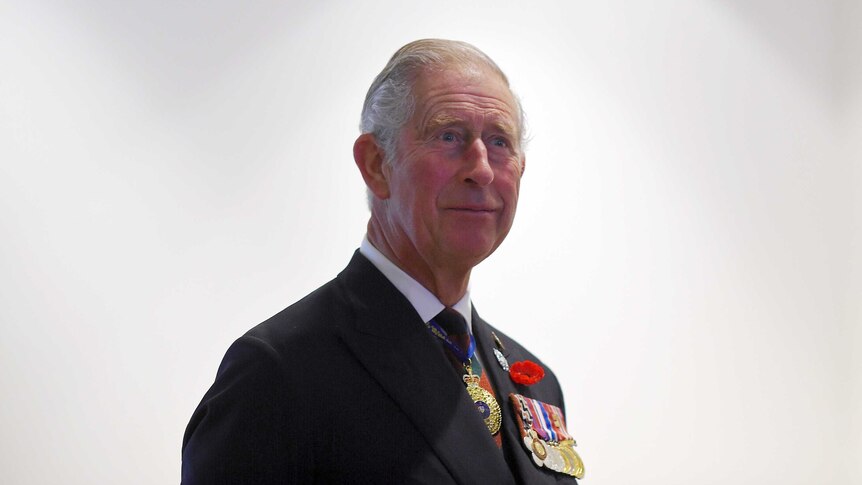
{"x":516,"y":454}
{"x":391,"y":342}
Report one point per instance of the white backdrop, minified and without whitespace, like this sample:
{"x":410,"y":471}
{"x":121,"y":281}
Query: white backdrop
{"x":686,"y":255}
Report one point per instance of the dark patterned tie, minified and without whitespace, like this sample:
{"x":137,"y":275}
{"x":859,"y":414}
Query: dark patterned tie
{"x":455,"y":327}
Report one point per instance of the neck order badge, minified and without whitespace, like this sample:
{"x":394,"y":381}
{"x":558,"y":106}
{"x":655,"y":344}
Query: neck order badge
{"x":484,"y":401}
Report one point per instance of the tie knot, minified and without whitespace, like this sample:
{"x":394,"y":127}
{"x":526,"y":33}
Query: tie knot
{"x":457,"y":337}
{"x":452,"y":322}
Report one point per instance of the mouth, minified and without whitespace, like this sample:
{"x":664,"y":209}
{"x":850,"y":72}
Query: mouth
{"x":476,"y":208}
{"x":473,"y":210}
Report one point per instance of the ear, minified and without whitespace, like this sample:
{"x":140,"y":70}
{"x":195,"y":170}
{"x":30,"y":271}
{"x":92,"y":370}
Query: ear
{"x":369,"y":159}
{"x":523,"y":164}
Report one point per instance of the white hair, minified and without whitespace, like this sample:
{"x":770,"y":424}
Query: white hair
{"x":389,"y":103}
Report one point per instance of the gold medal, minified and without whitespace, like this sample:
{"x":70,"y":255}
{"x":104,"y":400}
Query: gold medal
{"x":568,"y":463}
{"x":574,"y":464}
{"x":484,"y":401}
{"x":579,"y":464}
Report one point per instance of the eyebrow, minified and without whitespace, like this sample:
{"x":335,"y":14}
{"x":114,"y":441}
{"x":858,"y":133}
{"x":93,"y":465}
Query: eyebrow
{"x":441,"y":120}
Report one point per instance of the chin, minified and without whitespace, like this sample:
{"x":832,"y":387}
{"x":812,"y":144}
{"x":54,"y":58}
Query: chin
{"x":471,"y":252}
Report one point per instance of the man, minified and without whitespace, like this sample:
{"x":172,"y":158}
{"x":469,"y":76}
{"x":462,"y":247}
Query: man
{"x":387,"y":374}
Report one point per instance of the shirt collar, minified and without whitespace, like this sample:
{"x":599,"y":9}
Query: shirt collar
{"x":426,"y":304}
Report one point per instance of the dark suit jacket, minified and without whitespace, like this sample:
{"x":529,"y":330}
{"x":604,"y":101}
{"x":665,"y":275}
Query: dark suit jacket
{"x":348,"y":386}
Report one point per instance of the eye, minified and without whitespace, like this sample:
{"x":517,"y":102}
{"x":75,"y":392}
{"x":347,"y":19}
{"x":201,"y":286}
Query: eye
{"x":448,"y":137}
{"x":500,"y":142}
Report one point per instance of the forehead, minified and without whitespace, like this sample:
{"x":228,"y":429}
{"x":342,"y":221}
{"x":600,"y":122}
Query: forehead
{"x":452,"y":94}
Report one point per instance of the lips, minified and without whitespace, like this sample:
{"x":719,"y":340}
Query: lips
{"x":473,"y":205}
{"x":473,"y":209}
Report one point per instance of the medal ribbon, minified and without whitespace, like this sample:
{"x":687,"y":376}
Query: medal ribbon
{"x":558,"y":422}
{"x":546,"y":422}
{"x":538,"y":419}
{"x":452,"y":346}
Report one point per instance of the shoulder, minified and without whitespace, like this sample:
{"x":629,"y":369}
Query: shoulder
{"x":251,"y":422}
{"x":305,"y":325}
{"x":318,"y":318}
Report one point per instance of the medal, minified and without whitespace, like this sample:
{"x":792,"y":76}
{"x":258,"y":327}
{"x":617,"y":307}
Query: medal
{"x":545,"y":436}
{"x":484,"y":401}
{"x":555,"y":460}
{"x":574,"y":465}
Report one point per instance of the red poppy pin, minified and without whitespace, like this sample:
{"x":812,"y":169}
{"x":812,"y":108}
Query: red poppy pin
{"x":526,"y":372}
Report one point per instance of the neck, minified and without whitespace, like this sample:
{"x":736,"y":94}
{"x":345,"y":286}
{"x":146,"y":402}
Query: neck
{"x":447,"y":283}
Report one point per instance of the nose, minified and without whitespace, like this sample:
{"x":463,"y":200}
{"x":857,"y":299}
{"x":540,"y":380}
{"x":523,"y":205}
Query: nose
{"x":478,"y":168}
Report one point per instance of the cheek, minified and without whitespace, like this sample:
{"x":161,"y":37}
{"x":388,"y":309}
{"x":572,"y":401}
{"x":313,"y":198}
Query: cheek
{"x":509,"y":184}
{"x":433,"y":185}
{"x":420,"y":200}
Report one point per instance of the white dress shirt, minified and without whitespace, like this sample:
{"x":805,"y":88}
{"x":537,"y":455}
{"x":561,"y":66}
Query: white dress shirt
{"x":426,"y":304}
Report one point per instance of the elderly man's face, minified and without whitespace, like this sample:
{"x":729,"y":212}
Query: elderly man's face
{"x":454,"y":184}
